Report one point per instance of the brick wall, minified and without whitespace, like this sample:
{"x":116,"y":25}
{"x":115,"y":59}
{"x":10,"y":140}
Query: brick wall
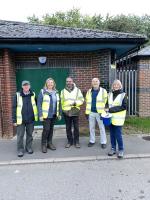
{"x":82,"y":67}
{"x":143,"y":85}
{"x":1,"y":76}
{"x":8,"y":87}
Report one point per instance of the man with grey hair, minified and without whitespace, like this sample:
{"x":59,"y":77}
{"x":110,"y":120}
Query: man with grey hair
{"x":24,"y":113}
{"x":96,"y":99}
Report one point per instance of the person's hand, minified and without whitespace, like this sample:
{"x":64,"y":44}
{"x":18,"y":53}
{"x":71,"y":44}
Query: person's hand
{"x":15,"y":124}
{"x":87,"y":116}
{"x":59,"y":117}
{"x":106,"y":109}
{"x":54,"y":116}
{"x":110,"y":110}
{"x":73,"y":104}
{"x":100,"y":117}
{"x":41,"y":119}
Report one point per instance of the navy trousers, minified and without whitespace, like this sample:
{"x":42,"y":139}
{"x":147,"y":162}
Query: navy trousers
{"x":116,"y":137}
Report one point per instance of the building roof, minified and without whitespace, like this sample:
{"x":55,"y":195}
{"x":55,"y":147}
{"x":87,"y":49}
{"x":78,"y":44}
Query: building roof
{"x":26,"y":37}
{"x":144,"y":52}
{"x":21,"y":30}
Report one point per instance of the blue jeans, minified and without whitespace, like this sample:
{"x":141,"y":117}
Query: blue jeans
{"x":116,"y":137}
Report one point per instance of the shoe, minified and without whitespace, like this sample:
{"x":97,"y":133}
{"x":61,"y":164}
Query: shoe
{"x":77,"y":145}
{"x":90,"y":144}
{"x":68,"y":145}
{"x":44,"y":149}
{"x":120,"y":154}
{"x":20,"y":154}
{"x":103,"y":146}
{"x":111,"y":152}
{"x":29,"y":150}
{"x":51,"y":146}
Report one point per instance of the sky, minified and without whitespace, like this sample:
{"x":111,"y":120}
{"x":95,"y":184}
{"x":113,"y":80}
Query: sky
{"x":19,"y":10}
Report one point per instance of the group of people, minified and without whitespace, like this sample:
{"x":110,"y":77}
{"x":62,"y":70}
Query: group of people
{"x":50,"y":106}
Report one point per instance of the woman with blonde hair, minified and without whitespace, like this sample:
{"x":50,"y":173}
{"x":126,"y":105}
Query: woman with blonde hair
{"x":117,"y":102}
{"x":48,"y":109}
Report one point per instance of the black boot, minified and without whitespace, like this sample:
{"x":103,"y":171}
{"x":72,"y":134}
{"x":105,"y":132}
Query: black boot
{"x":44,"y":149}
{"x":51,"y":146}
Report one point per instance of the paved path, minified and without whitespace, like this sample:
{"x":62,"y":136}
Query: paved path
{"x":106,"y":180}
{"x":135,"y":147}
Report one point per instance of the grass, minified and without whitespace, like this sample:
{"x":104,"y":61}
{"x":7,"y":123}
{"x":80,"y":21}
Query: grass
{"x":138,"y":124}
{"x":133,"y":125}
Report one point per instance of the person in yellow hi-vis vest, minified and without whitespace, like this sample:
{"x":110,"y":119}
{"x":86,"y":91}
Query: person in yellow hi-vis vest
{"x":24,"y":113}
{"x":49,"y":111}
{"x":71,"y":100}
{"x":96,"y":99}
{"x":117,"y":102}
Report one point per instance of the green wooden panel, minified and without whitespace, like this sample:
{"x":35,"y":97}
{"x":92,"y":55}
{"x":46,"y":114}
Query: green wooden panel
{"x":37,"y":78}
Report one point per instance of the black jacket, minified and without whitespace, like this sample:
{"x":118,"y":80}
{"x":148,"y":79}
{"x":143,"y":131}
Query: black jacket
{"x":118,"y":108}
{"x":27,"y":109}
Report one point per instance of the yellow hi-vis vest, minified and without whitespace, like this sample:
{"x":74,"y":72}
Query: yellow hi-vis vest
{"x":20,"y":105}
{"x":68,"y":98}
{"x":118,"y":118}
{"x":46,"y":104}
{"x":101,"y":100}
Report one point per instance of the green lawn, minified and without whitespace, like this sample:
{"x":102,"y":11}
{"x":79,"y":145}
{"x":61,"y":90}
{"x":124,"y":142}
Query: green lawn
{"x":139,"y":124}
{"x":133,"y":125}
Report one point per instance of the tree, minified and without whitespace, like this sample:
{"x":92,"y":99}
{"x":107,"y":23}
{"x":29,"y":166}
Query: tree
{"x":34,"y":20}
{"x":119,"y":23}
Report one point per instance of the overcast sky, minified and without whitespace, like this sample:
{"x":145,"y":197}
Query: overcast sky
{"x":19,"y":10}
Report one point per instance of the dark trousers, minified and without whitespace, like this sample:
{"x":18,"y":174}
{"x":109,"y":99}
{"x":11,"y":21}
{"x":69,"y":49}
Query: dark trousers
{"x":47,"y":134}
{"x":116,"y":137}
{"x":20,"y":136}
{"x":72,"y":121}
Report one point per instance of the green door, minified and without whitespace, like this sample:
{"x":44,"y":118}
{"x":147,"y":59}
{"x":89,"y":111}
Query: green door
{"x":37,"y":78}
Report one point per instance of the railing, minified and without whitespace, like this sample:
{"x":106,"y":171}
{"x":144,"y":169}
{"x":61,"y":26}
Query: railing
{"x":128,"y":79}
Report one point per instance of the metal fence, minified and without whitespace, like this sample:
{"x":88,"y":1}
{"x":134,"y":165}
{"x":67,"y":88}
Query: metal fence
{"x":129,"y":82}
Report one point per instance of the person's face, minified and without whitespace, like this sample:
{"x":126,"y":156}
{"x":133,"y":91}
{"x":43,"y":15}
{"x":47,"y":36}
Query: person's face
{"x":26,"y":87}
{"x":69,"y":82}
{"x":50,"y":84}
{"x":116,"y":86}
{"x":95,"y":83}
